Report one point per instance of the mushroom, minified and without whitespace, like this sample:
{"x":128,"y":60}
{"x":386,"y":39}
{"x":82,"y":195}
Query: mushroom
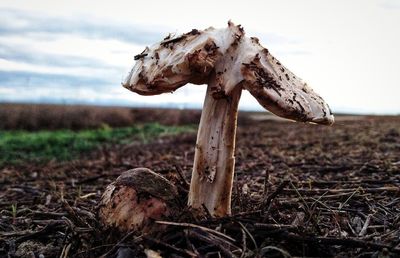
{"x":135,"y":199}
{"x":228,"y":62}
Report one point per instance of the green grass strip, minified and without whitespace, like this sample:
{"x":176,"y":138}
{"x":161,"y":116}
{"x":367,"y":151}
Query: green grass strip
{"x":21,"y":146}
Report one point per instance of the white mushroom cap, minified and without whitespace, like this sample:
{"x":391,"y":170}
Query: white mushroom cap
{"x":236,"y":61}
{"x":277,"y":89}
{"x":174,"y":62}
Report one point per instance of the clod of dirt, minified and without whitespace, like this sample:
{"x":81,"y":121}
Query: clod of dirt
{"x":135,"y":199}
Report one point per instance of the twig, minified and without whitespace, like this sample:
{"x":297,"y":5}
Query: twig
{"x":285,"y":201}
{"x":392,"y":189}
{"x":16,"y":233}
{"x":249,"y":234}
{"x":341,"y":205}
{"x":284,"y":253}
{"x":300,"y":196}
{"x":170,"y":247}
{"x":180,"y":173}
{"x":224,"y":250}
{"x":365,"y":226}
{"x":351,"y":242}
{"x":189,"y":243}
{"x":244,"y":245}
{"x":278,"y":190}
{"x":74,"y":215}
{"x":189,"y":225}
{"x":114,"y":248}
{"x":65,"y":250}
{"x":354,"y":182}
{"x":274,"y":226}
{"x":48,"y":221}
{"x":35,"y":235}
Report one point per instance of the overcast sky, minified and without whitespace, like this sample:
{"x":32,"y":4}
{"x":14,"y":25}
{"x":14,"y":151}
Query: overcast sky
{"x":79,"y":51}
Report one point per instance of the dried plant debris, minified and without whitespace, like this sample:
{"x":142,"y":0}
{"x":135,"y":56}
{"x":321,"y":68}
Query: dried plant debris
{"x":301,"y":190}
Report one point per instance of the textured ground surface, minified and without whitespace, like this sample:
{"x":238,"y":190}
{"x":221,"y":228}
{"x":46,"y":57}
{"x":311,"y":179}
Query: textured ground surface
{"x":300,"y":190}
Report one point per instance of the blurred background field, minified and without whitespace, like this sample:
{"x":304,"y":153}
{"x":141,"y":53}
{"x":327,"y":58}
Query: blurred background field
{"x":41,"y":133}
{"x":33,"y":117}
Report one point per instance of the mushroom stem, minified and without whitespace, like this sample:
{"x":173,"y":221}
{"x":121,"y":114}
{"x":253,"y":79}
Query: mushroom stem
{"x":214,"y":160}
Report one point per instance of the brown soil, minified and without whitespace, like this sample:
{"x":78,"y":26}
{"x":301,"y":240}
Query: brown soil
{"x":300,"y":189}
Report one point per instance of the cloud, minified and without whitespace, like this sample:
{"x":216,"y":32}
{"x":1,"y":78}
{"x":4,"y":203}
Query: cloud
{"x":15,"y":22}
{"x":390,"y":5}
{"x":47,"y":58}
{"x":30,"y":80}
{"x":14,"y":52}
